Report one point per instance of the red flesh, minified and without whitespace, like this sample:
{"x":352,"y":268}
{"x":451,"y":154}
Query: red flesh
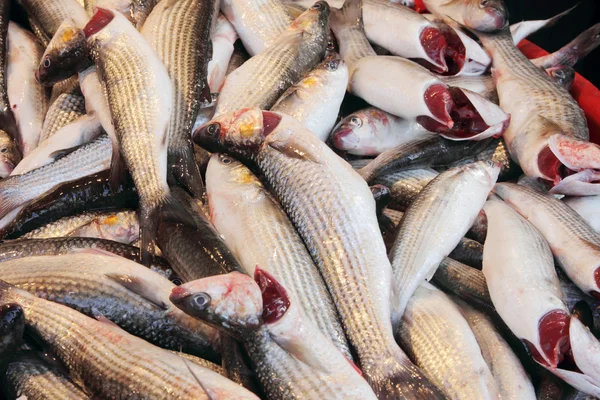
{"x":440,"y":103}
{"x":554,"y":338}
{"x":99,"y":20}
{"x":270,"y":122}
{"x":597,"y":279}
{"x":275,"y":298}
{"x":420,"y":6}
{"x":455,"y":52}
{"x":551,"y":167}
{"x":434,"y":43}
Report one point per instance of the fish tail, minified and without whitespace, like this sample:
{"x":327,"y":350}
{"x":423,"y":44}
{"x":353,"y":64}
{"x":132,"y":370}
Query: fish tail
{"x":183,"y":166}
{"x":350,"y":14}
{"x":393,"y":376}
{"x":579,"y":47}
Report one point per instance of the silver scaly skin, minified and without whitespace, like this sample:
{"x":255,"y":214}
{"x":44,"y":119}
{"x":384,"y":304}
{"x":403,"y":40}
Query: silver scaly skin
{"x":406,"y":185}
{"x":259,"y":232}
{"x":107,"y":362}
{"x":64,"y":226}
{"x":65,"y":109}
{"x":179,"y":32}
{"x":47,"y":15}
{"x":334,"y":213}
{"x":260,"y":81}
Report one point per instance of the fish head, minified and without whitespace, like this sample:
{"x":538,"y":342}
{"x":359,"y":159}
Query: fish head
{"x":314,"y":21}
{"x":9,"y":154}
{"x":360,"y":125}
{"x":231,"y":301}
{"x":66,"y":54}
{"x":275,"y":299}
{"x":486,"y":172}
{"x":12,"y":324}
{"x":240,"y":133}
{"x":228,"y":172}
{"x":335,"y":69}
{"x":486,"y":15}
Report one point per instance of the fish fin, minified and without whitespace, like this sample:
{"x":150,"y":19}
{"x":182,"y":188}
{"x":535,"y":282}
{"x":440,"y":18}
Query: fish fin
{"x":293,"y":147}
{"x":58,"y":154}
{"x":350,"y":14}
{"x":98,"y":316}
{"x":148,"y":220}
{"x":172,"y":210}
{"x":137,"y":285}
{"x":185,"y":170}
{"x":117,"y":167}
{"x":571,"y":53}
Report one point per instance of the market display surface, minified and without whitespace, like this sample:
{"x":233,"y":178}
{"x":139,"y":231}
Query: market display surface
{"x":290,"y":199}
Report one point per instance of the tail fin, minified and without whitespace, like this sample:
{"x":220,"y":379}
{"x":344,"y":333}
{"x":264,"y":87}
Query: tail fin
{"x":393,"y":376}
{"x":524,"y":29}
{"x":185,"y":171}
{"x":351,"y":13}
{"x":574,"y":51}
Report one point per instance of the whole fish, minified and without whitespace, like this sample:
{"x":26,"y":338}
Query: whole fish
{"x":315,"y":100}
{"x":223,"y":39}
{"x":292,"y":357}
{"x":9,"y":151}
{"x":572,"y":52}
{"x":574,"y":243}
{"x":179,"y":31}
{"x":253,"y":230}
{"x":438,"y":338}
{"x":12,"y":325}
{"x":542,"y":114}
{"x":258,"y":22}
{"x":69,"y":199}
{"x":115,"y":363}
{"x":519,"y":270}
{"x":65,"y":141}
{"x":64,"y":110}
{"x":31,"y":378}
{"x":298,"y":166}
{"x":96,"y":282}
{"x":511,"y":378}
{"x":48,"y":15}
{"x":480,"y":15}
{"x":587,"y":208}
{"x":434,"y":224}
{"x":121,"y":227}
{"x":406,"y":185}
{"x":89,"y":159}
{"x":27,"y":97}
{"x":371,"y":131}
{"x":260,"y":81}
{"x":142,"y":135}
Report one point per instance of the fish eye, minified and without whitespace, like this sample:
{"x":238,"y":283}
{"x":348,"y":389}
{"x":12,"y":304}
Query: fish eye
{"x":356,"y":121}
{"x":201,"y":301}
{"x":317,"y":6}
{"x":226,"y":160}
{"x":46,"y":63}
{"x":333,"y":65}
{"x":4,"y":150}
{"x":176,"y":281}
{"x":213,"y":129}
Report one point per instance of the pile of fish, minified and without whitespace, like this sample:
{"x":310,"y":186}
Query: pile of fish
{"x":290,"y":199}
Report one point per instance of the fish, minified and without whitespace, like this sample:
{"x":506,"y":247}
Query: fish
{"x":65,"y":226}
{"x":257,"y":22}
{"x":9,"y":154}
{"x":572,"y":52}
{"x":260,"y":81}
{"x":69,"y":199}
{"x":316,"y":99}
{"x":297,"y":165}
{"x":479,"y":15}
{"x":179,"y":31}
{"x":469,"y":252}
{"x":284,"y":340}
{"x":223,"y":40}
{"x":86,"y":160}
{"x":587,"y":208}
{"x":438,"y":338}
{"x":253,"y":230}
{"x":550,"y":114}
{"x":28,"y":99}
{"x":67,"y":108}
{"x":433,"y":225}
{"x":136,"y":11}
{"x":421,"y":153}
{"x":66,"y":140}
{"x":98,"y":283}
{"x":512,"y":380}
{"x":143,"y":142}
{"x":406,"y":185}
{"x":136,"y":366}
{"x":121,"y":226}
{"x":47,"y":16}
{"x":28,"y":376}
{"x":371,"y":131}
{"x":572,"y":241}
{"x":12,"y":325}
{"x":563,"y":75}
{"x":524,"y":29}
{"x":527,"y":269}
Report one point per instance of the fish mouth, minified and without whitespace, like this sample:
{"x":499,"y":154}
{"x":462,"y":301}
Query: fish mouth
{"x":179,"y":295}
{"x":488,"y":19}
{"x":435,"y":44}
{"x":276,"y":301}
{"x":345,"y":139}
{"x":6,"y":168}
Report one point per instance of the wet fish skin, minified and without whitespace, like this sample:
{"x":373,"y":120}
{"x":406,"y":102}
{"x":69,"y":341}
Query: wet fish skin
{"x":469,"y":252}
{"x":135,"y":365}
{"x":136,"y":11}
{"x":179,"y":31}
{"x":434,"y":224}
{"x":65,"y":109}
{"x":482,"y":84}
{"x":574,"y":243}
{"x":315,"y":100}
{"x":122,"y":226}
{"x":438,"y":338}
{"x":258,"y":22}
{"x":279,"y":154}
{"x":406,"y":185}
{"x":64,"y":226}
{"x":260,"y":81}
{"x":27,"y":97}
{"x":12,"y":325}
{"x":30,"y":377}
{"x":96,"y":282}
{"x":10,"y":155}
{"x":587,"y":207}
{"x":48,"y":15}
{"x":21,"y":189}
{"x":253,"y":230}
{"x":480,"y":15}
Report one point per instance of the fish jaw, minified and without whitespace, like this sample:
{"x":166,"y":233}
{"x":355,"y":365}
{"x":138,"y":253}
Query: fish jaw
{"x":230,"y":301}
{"x":487,"y":16}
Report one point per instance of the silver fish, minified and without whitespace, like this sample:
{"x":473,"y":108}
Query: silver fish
{"x":64,"y":226}
{"x":48,"y":15}
{"x":406,"y":185}
{"x":64,"y":110}
{"x":588,"y":208}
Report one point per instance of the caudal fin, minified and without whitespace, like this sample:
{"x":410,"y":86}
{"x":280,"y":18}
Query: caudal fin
{"x":574,"y":51}
{"x":185,"y":170}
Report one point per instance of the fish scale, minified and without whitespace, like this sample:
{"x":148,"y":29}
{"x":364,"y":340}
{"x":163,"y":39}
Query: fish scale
{"x":63,"y":226}
{"x":64,"y":110}
{"x":49,"y":14}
